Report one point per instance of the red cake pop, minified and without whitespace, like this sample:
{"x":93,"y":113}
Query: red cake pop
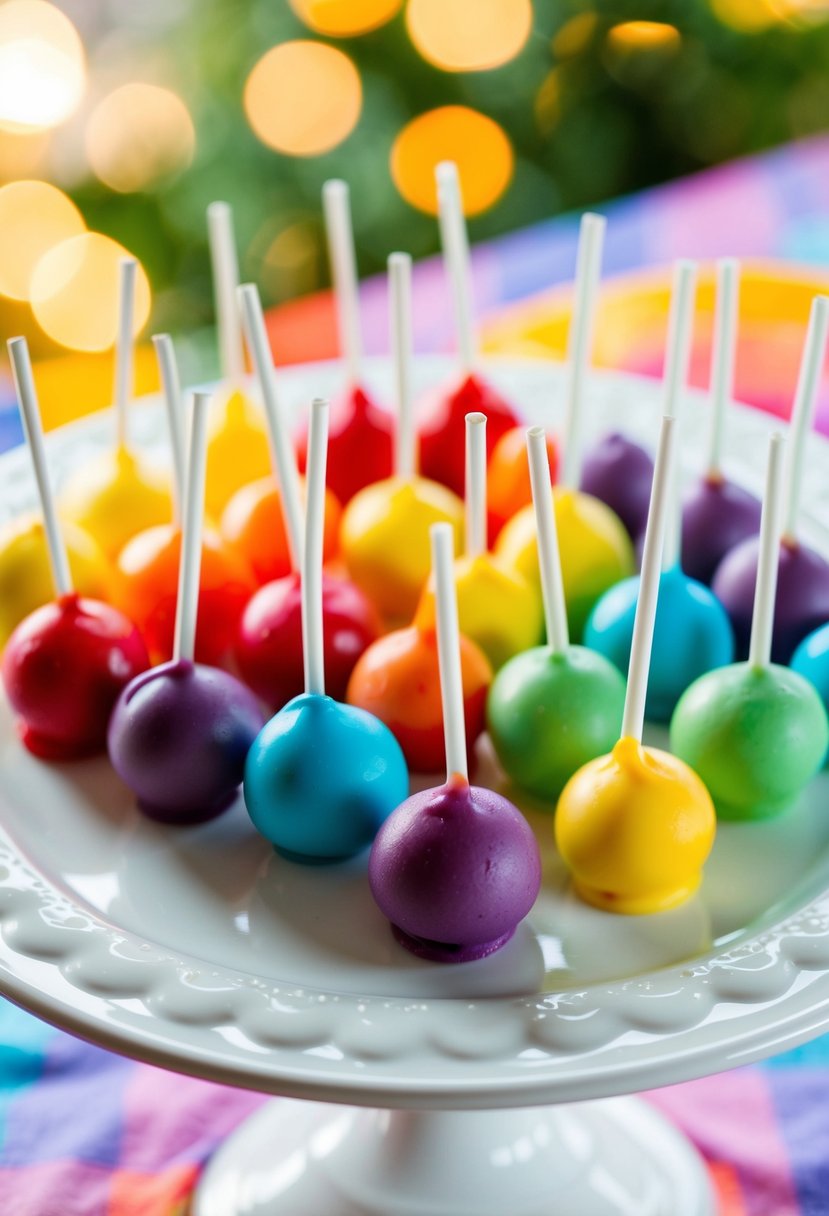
{"x":146,"y":587}
{"x":269,"y":642}
{"x":65,"y":664}
{"x":443,"y":411}
{"x":361,"y":436}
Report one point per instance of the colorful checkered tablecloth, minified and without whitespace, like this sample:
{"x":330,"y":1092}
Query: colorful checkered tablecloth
{"x":87,"y":1133}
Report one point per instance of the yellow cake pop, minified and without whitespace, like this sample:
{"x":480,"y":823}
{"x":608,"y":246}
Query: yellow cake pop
{"x":237,"y":440}
{"x":636,"y":826}
{"x":118,"y":495}
{"x":499,"y":609}
{"x":25,"y":573}
{"x":384,"y":536}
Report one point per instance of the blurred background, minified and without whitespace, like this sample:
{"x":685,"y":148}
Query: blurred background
{"x":121,"y":119}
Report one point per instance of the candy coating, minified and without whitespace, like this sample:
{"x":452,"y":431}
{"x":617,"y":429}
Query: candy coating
{"x":237,"y":450}
{"x":442,"y":429}
{"x":755,"y":735}
{"x":360,"y":444}
{"x":321,"y":777}
{"x":716,"y":516}
{"x":619,"y":473}
{"x":635,"y":828}
{"x":115,"y":497}
{"x":253,"y":526}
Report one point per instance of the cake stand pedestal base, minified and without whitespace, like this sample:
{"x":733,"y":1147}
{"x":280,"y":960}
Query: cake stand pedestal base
{"x":612,"y":1158}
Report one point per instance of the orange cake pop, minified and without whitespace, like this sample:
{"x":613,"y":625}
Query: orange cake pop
{"x":148,"y":566}
{"x":508,"y":478}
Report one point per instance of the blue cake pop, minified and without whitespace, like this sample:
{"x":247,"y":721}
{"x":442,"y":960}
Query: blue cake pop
{"x":321,"y":777}
{"x":692,"y":633}
{"x":811,"y":660}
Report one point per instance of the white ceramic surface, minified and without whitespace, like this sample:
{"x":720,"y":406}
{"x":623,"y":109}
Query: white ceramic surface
{"x":199,"y":949}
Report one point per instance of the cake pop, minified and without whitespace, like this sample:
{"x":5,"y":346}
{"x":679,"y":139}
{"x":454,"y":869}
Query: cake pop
{"x":268,"y":646}
{"x":552,"y":708}
{"x":618,"y":472}
{"x":384,"y":536}
{"x":148,"y":566}
{"x":811,"y":660}
{"x":595,"y":548}
{"x":443,"y":410}
{"x":237,"y":445}
{"x":454,"y":868}
{"x":803,"y":577}
{"x":361,"y":436}
{"x":498,"y":609}
{"x":692,"y":632}
{"x":66,"y":662}
{"x":717,"y":513}
{"x":180,"y":732}
{"x":636,"y":826}
{"x":117,"y":495}
{"x":755,"y":732}
{"x":25,"y":575}
{"x":508,"y":478}
{"x":321,"y":776}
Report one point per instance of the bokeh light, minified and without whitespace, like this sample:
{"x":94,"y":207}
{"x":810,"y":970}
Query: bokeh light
{"x":477,"y":145}
{"x":34,"y":217}
{"x":344,"y":18}
{"x":137,"y":134}
{"x":42,"y":65}
{"x":303,"y":98}
{"x":469,"y":35}
{"x":746,"y":16}
{"x":74,"y":292}
{"x":643,"y":36}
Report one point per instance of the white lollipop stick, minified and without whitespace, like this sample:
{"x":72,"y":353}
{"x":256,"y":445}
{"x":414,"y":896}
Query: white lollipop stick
{"x":455,"y":245}
{"x":549,"y":558}
{"x":400,"y":292}
{"x":580,"y":339}
{"x":225,"y":282}
{"x":475,"y":491}
{"x":30,"y":414}
{"x":449,"y":650}
{"x":127,"y":271}
{"x":765,"y":590}
{"x":336,"y":206}
{"x":722,"y":356}
{"x":677,"y":360}
{"x":808,"y":385}
{"x":171,"y":388}
{"x":282,"y":452}
{"x":312,"y":624}
{"x":633,"y":719}
{"x":189,"y":569}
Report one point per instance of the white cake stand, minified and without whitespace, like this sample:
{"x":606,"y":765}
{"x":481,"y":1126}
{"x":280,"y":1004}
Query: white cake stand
{"x":199,"y":950}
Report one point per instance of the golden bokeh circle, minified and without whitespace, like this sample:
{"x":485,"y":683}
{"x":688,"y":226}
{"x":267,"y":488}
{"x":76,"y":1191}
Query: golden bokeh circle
{"x":137,"y":134}
{"x":74,"y":292}
{"x":42,"y":66}
{"x":644,"y":36}
{"x":34,"y":218}
{"x":345,"y":18}
{"x":477,"y":144}
{"x":303,"y":98}
{"x":469,"y":35}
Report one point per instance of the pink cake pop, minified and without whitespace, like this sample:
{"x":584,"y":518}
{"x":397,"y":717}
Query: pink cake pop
{"x":269,"y":643}
{"x":443,"y":411}
{"x":717,"y":513}
{"x":456,"y":868}
{"x":66,"y":663}
{"x":361,"y":436}
{"x":179,"y":733}
{"x":803,"y":576}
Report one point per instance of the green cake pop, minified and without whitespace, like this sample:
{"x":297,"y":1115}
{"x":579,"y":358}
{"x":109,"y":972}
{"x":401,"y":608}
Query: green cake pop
{"x":555,"y":707}
{"x":755,"y":732}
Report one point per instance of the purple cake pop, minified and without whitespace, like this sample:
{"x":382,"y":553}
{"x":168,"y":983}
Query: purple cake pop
{"x":455,"y":869}
{"x":802,"y":596}
{"x":717,"y":515}
{"x":179,"y":736}
{"x":619,"y":472}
